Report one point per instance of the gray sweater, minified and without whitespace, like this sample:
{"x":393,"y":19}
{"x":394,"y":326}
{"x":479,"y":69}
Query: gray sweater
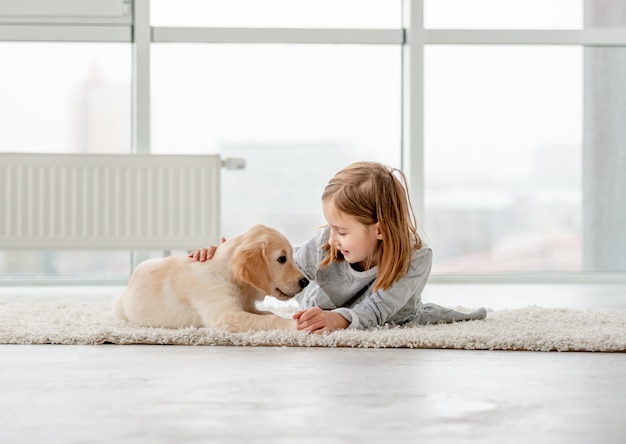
{"x":348,"y":292}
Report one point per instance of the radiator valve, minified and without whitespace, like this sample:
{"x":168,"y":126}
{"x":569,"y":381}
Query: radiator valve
{"x":234,"y":163}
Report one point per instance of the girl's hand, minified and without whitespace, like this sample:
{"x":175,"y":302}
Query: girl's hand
{"x":316,"y":320}
{"x":204,"y":254}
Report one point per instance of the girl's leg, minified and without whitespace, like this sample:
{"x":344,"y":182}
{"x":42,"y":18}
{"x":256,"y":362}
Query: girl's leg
{"x":433,"y":314}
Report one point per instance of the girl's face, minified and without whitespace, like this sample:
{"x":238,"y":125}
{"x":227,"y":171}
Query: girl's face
{"x":358,"y":243}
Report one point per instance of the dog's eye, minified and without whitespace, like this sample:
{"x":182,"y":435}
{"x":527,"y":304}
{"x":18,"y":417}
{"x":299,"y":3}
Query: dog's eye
{"x":282,"y":259}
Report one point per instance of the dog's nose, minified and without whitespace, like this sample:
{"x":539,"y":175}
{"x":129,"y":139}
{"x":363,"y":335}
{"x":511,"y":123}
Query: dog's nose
{"x":303,"y":282}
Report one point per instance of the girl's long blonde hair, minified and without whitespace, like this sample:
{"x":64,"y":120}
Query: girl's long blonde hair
{"x":372,"y":192}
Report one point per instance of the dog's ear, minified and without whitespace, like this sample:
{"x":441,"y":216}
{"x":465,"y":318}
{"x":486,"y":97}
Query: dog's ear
{"x":251,"y":264}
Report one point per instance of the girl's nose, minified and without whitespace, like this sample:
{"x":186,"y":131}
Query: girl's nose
{"x":332,"y":240}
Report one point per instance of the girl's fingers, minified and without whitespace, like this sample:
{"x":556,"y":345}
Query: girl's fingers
{"x":297,"y":314}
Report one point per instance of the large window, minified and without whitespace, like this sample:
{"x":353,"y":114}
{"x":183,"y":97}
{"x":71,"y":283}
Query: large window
{"x":508,"y":122}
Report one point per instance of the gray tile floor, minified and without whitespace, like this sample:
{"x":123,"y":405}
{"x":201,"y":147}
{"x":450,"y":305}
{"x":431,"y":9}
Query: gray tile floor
{"x":173,"y":394}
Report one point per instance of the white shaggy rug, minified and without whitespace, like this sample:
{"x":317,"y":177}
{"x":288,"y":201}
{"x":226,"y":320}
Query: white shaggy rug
{"x":532,"y":328}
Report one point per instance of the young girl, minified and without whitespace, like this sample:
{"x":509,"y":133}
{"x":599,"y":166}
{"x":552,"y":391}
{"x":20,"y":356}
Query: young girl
{"x":368,"y":266}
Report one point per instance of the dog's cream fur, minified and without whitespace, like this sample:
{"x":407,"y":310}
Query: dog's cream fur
{"x":219,"y":293}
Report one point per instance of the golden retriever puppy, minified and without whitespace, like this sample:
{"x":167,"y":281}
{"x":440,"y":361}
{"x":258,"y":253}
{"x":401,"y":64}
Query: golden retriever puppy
{"x":220,"y":293}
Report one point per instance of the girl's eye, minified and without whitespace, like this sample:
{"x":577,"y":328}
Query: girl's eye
{"x":282,"y":259}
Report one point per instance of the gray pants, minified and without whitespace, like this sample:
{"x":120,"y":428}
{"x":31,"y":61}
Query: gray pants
{"x":434,"y":314}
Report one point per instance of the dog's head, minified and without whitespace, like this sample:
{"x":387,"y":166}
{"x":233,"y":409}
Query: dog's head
{"x":264,"y":259}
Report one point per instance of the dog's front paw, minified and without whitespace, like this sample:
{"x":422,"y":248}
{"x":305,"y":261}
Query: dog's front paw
{"x":278,"y":323}
{"x":231,"y":322}
{"x":290,"y":324}
{"x":236,"y":322}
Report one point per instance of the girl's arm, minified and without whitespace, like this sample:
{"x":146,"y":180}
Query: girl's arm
{"x":397,"y":303}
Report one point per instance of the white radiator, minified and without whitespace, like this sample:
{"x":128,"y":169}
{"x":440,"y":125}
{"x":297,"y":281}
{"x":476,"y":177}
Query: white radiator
{"x":92,"y":201}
